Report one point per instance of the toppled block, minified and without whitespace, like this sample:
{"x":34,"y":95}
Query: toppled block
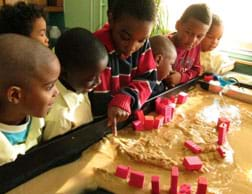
{"x":221,"y":151}
{"x":136,"y":179}
{"x":223,"y":123}
{"x":192,"y":146}
{"x":192,"y":163}
{"x":122,"y":171}
{"x":185,"y":189}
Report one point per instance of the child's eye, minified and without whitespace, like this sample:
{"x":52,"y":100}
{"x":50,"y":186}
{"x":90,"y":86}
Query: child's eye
{"x":49,"y":87}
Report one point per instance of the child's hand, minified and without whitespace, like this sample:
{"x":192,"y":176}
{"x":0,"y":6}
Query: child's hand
{"x":116,"y":114}
{"x":173,"y":79}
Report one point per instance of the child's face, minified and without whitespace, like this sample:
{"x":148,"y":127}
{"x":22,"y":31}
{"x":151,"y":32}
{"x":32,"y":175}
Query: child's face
{"x":190,"y":33}
{"x":164,"y":66}
{"x":86,"y":81}
{"x":39,"y":31}
{"x":212,"y":38}
{"x":129,"y":34}
{"x":40,"y":95}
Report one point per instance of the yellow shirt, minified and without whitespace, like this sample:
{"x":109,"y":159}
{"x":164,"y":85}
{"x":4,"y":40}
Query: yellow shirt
{"x":68,"y":112}
{"x":215,"y":62}
{"x":9,"y":152}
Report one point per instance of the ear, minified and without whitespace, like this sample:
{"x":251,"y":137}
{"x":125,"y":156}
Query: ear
{"x":158,"y":59}
{"x":14,"y":94}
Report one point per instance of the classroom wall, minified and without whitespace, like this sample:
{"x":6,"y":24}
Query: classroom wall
{"x":90,"y":14}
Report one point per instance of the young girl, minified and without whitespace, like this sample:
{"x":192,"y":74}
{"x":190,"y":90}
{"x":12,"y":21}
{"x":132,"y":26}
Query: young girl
{"x":191,"y":29}
{"x":130,"y":75}
{"x":214,"y":62}
{"x":25,"y":19}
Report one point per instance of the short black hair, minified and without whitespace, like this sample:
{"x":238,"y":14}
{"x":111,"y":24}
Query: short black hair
{"x":144,"y":10}
{"x":19,"y":18}
{"x":198,"y":11}
{"x":79,"y":50}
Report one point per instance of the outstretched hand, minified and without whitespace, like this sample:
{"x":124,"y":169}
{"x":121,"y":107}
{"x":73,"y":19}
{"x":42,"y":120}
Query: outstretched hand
{"x":116,"y":114}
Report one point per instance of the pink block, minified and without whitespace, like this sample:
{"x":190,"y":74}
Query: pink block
{"x":182,"y":97}
{"x":136,"y":179}
{"x":173,"y":99}
{"x":185,"y":189}
{"x":138,"y":125}
{"x":192,"y":146}
{"x":202,"y":185}
{"x":221,"y":135}
{"x":139,"y":114}
{"x":174,"y":180}
{"x":224,"y":123}
{"x":155,"y":185}
{"x":159,"y":121}
{"x":192,"y":163}
{"x":122,"y":171}
{"x":148,"y":122}
{"x":165,"y":101}
{"x":221,"y":151}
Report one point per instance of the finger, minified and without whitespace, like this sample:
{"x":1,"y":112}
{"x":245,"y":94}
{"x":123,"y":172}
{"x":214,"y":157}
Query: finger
{"x":114,"y":126}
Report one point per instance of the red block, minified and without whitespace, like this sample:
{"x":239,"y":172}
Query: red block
{"x":192,"y":146}
{"x":202,"y":185}
{"x":165,"y":101}
{"x":182,"y":97}
{"x":173,"y":99}
{"x":174,"y":180}
{"x":221,"y":151}
{"x":185,"y":189}
{"x":224,"y":123}
{"x":157,"y":102}
{"x":136,"y":179}
{"x":159,"y":121}
{"x":208,"y":78}
{"x":192,"y":163}
{"x":155,"y":185}
{"x":122,"y":171}
{"x":138,"y":125}
{"x":148,"y":122}
{"x":221,"y":135}
{"x":139,"y":114}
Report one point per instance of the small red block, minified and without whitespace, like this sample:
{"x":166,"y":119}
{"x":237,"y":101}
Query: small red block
{"x":192,"y":163}
{"x":208,"y":78}
{"x":174,"y":180}
{"x":139,"y":114}
{"x":185,"y":189}
{"x":148,"y":122}
{"x":122,"y":171}
{"x":224,"y":123}
{"x":159,"y":121}
{"x":221,"y":135}
{"x":221,"y":151}
{"x":136,"y":179}
{"x":138,"y":125}
{"x":182,"y":97}
{"x":202,"y":185}
{"x":173,"y":99}
{"x":165,"y":101}
{"x":155,"y":185}
{"x":192,"y":146}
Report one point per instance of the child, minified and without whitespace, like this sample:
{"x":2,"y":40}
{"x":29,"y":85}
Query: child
{"x":24,"y":96}
{"x":25,"y":19}
{"x":130,"y":75}
{"x":191,"y":29}
{"x":82,"y":58}
{"x":165,"y":56}
{"x":214,"y":62}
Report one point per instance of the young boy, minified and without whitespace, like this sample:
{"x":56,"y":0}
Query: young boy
{"x":214,"y":62}
{"x":165,"y":56}
{"x":130,"y":75}
{"x":25,"y":19}
{"x":191,"y":29}
{"x":82,"y":58}
{"x":24,"y":96}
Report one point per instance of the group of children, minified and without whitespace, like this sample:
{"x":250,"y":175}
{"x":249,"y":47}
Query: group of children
{"x":111,"y":72}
